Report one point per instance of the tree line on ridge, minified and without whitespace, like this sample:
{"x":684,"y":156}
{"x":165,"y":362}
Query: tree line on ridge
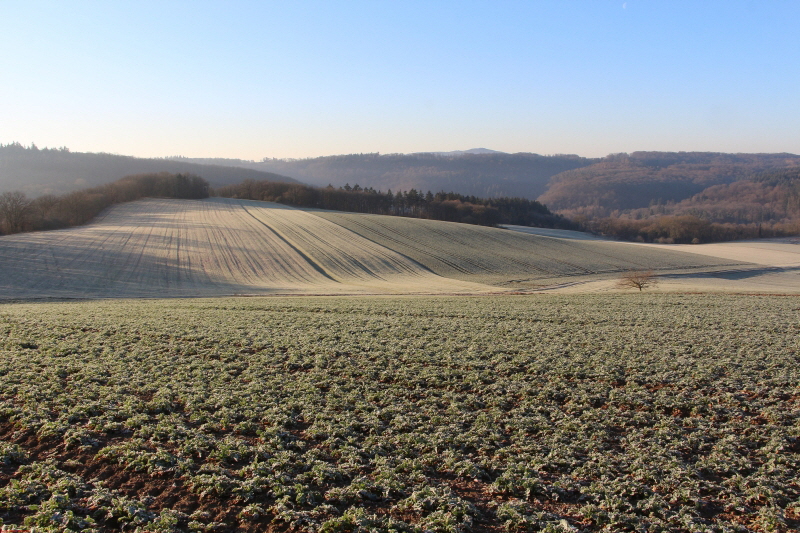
{"x":447,"y":206}
{"x":18,"y":213}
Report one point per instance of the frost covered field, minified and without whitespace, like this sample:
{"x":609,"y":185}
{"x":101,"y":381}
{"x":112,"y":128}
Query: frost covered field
{"x":213,"y":247}
{"x":640,"y":412}
{"x":206,"y":247}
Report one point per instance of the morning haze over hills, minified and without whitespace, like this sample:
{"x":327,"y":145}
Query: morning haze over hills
{"x":37,"y":171}
{"x":677,"y":196}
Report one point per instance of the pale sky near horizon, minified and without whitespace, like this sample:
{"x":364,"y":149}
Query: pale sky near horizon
{"x":301,"y":79}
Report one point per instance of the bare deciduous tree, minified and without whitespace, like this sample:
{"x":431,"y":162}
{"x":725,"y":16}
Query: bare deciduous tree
{"x":14,"y":211}
{"x":42,"y":209}
{"x":637,"y":279}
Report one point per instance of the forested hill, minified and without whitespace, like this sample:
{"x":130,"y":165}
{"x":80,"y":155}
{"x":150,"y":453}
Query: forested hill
{"x":37,"y":171}
{"x":489,"y":175}
{"x":682,"y":197}
{"x":638,"y":180}
{"x":767,"y":199}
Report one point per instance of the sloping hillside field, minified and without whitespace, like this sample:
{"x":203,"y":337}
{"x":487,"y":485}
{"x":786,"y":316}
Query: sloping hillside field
{"x":173,"y":248}
{"x":210,"y":247}
{"x":512,"y":258}
{"x":639,"y":412}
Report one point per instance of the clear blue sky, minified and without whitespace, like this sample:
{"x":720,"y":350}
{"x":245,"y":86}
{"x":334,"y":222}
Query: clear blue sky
{"x":300,"y":79}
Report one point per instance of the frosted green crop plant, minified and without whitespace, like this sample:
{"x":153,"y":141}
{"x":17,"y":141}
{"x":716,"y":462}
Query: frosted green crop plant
{"x":645,"y":412}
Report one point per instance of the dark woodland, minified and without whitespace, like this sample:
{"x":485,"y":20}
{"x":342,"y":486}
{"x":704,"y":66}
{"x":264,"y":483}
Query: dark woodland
{"x":18,"y":213}
{"x":764,"y":204}
{"x":446,"y":206}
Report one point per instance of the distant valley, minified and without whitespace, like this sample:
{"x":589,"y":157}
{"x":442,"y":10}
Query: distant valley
{"x":478,"y":172}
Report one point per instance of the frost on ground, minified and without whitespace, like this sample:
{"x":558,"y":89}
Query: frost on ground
{"x":215,"y":247}
{"x":205,"y":248}
{"x":590,"y":413}
{"x":757,"y":266}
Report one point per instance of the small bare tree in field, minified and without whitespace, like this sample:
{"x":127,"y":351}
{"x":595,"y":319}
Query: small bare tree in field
{"x":637,"y":279}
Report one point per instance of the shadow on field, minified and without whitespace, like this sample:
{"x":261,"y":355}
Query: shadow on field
{"x":733,"y":274}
